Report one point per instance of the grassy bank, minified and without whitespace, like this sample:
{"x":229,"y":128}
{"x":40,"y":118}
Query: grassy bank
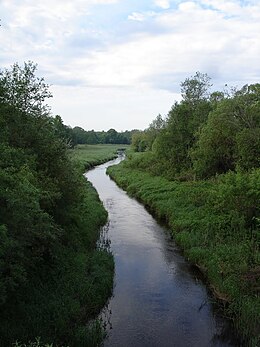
{"x":88,"y":156}
{"x":209,"y":220}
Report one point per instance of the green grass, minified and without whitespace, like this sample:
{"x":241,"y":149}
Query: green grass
{"x":210,"y":221}
{"x":88,"y":156}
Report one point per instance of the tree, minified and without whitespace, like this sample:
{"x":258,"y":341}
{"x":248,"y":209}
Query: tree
{"x":92,"y":137}
{"x":214,"y":150}
{"x":157,"y":124}
{"x":111,"y":136}
{"x":38,"y":185}
{"x":63,"y":131}
{"x":230,"y":138}
{"x":80,"y":135}
{"x":20,"y":87}
{"x":196,"y":88}
{"x":248,"y":147}
{"x":154,"y":129}
{"x":49,"y":224}
{"x":178,"y":136}
{"x":139,"y":141}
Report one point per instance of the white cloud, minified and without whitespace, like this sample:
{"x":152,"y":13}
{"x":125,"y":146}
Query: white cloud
{"x":118,"y":108}
{"x":195,"y":39}
{"x":141,"y":16}
{"x":137,"y":16}
{"x":150,"y":52}
{"x":188,"y":6}
{"x":228,"y":6}
{"x":165,"y":4}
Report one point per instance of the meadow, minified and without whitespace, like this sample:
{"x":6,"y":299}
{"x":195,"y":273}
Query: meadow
{"x":88,"y":156}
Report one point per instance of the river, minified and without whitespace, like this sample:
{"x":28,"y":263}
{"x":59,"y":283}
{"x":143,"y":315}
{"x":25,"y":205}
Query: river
{"x":158,"y":299}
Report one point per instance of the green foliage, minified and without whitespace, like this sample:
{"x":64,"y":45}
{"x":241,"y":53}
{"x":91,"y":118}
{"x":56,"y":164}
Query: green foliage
{"x":53,"y":279}
{"x":230,"y":138}
{"x":204,"y":134}
{"x":64,"y":132}
{"x":196,"y":88}
{"x":92,"y":137}
{"x":214,"y":150}
{"x":176,"y":138}
{"x":201,"y":175}
{"x":172,"y":139}
{"x":139,"y":141}
{"x":144,"y":140}
{"x":20,"y":87}
{"x":248,"y":144}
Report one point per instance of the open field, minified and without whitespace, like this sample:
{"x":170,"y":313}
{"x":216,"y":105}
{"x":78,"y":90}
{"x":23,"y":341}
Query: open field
{"x":88,"y":156}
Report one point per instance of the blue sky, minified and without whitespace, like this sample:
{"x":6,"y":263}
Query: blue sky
{"x":118,"y":63}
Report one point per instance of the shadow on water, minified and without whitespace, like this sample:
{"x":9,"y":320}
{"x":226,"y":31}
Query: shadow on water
{"x":159,"y":299}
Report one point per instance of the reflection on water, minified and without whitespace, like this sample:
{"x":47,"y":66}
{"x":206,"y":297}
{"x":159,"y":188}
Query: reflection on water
{"x":157,"y":299}
{"x":104,"y":241}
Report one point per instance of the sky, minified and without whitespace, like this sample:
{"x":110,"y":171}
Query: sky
{"x":119,"y":63}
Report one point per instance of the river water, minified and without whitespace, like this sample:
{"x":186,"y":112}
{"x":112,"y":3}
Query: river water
{"x":158,"y":300}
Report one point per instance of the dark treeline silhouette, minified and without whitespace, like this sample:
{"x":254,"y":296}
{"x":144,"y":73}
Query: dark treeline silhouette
{"x":77,"y":135}
{"x":81,"y":136}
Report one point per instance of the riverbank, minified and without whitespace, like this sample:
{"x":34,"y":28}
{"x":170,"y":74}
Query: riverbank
{"x":209,"y":230}
{"x":158,"y":298}
{"x":60,"y":305}
{"x":63,"y":294}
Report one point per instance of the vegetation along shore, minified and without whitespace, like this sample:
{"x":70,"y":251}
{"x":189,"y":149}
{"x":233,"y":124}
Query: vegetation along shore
{"x":198,"y":170}
{"x":53,"y":279}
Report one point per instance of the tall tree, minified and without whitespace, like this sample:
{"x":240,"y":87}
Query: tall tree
{"x":196,"y":88}
{"x":230,"y":138}
{"x":20,"y":87}
{"x":184,"y":119}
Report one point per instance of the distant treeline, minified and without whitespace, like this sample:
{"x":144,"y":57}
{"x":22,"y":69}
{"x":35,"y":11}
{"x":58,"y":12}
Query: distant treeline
{"x":78,"y":135}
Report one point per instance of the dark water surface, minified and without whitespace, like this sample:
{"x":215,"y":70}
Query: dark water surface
{"x":157,"y":300}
